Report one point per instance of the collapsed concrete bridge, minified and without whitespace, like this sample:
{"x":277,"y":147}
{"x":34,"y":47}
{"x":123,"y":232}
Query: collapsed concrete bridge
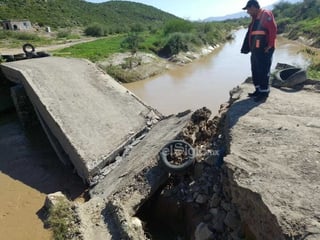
{"x":87,"y":116}
{"x":271,"y":166}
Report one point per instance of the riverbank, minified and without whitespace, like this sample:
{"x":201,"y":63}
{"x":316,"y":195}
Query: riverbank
{"x":127,"y":68}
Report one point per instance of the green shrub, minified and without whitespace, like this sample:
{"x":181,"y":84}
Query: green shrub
{"x":314,"y":68}
{"x":314,"y":71}
{"x":26,"y":36}
{"x":131,"y":62}
{"x":73,"y":36}
{"x":137,"y":28}
{"x":177,"y":25}
{"x":177,"y":42}
{"x":95,"y":30}
{"x":152,"y":30}
{"x":213,"y":33}
{"x":294,"y":34}
{"x":317,"y":43}
{"x":4,"y":34}
{"x":67,"y":35}
{"x":132,"y":42}
{"x":122,"y":75}
{"x":63,"y":34}
{"x":283,"y":24}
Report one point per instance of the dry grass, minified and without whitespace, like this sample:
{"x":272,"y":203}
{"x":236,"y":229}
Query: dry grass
{"x":63,"y":221}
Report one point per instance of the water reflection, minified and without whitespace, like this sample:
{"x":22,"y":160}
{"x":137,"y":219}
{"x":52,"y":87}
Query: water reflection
{"x":207,"y":81}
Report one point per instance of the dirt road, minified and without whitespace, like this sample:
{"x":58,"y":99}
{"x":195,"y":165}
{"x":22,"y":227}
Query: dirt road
{"x":64,"y":44}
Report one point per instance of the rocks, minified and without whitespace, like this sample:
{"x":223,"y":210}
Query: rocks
{"x":232,"y":220}
{"x":180,"y":59}
{"x":218,"y":221}
{"x":203,"y":232}
{"x":201,"y":199}
{"x":203,"y":188}
{"x":187,"y":57}
{"x":53,"y":198}
{"x":215,"y":200}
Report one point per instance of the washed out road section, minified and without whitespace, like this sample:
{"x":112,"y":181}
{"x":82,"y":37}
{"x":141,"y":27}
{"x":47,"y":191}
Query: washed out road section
{"x":273,"y":163}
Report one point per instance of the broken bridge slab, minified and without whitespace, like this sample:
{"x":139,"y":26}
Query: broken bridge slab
{"x":135,"y":179}
{"x":87,"y":112}
{"x":142,"y":160}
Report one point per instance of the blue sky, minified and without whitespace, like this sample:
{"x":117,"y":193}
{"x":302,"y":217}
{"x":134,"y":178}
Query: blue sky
{"x":198,"y":9}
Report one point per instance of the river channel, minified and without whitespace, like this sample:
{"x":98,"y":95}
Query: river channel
{"x":29,"y":168}
{"x":207,"y":81}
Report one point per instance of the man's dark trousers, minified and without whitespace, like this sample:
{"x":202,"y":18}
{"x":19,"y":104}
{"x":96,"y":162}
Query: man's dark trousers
{"x":260,"y":68}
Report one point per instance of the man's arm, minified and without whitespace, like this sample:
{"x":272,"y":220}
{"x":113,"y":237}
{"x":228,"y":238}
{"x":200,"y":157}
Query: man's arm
{"x":245,"y":45}
{"x":271,"y":26}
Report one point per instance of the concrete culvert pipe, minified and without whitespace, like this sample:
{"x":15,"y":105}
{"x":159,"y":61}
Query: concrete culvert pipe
{"x":290,"y":77}
{"x":177,"y":156}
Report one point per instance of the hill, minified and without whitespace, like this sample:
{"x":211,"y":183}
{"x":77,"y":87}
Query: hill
{"x":241,"y":14}
{"x":72,"y":13}
{"x":226,"y":17}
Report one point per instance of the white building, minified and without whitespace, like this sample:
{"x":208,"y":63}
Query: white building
{"x":16,"y":25}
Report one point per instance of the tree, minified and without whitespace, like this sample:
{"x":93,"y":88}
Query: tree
{"x":132,"y":42}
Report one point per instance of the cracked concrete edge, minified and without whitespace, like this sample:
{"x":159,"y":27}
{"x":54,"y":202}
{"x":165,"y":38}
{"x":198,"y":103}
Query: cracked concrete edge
{"x":258,"y":217}
{"x":121,"y":224}
{"x":122,"y":206}
{"x":255,"y":214}
{"x":249,"y":204}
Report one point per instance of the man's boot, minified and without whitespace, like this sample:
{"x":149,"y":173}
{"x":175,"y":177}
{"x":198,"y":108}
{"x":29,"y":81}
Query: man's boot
{"x":254,"y":94}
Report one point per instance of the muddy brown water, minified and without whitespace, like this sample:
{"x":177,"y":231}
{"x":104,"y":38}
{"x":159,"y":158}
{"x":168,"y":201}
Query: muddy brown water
{"x":207,"y":81}
{"x":29,"y":168}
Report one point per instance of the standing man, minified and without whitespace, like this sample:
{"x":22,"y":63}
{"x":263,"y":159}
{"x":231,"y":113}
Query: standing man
{"x":260,"y":41}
